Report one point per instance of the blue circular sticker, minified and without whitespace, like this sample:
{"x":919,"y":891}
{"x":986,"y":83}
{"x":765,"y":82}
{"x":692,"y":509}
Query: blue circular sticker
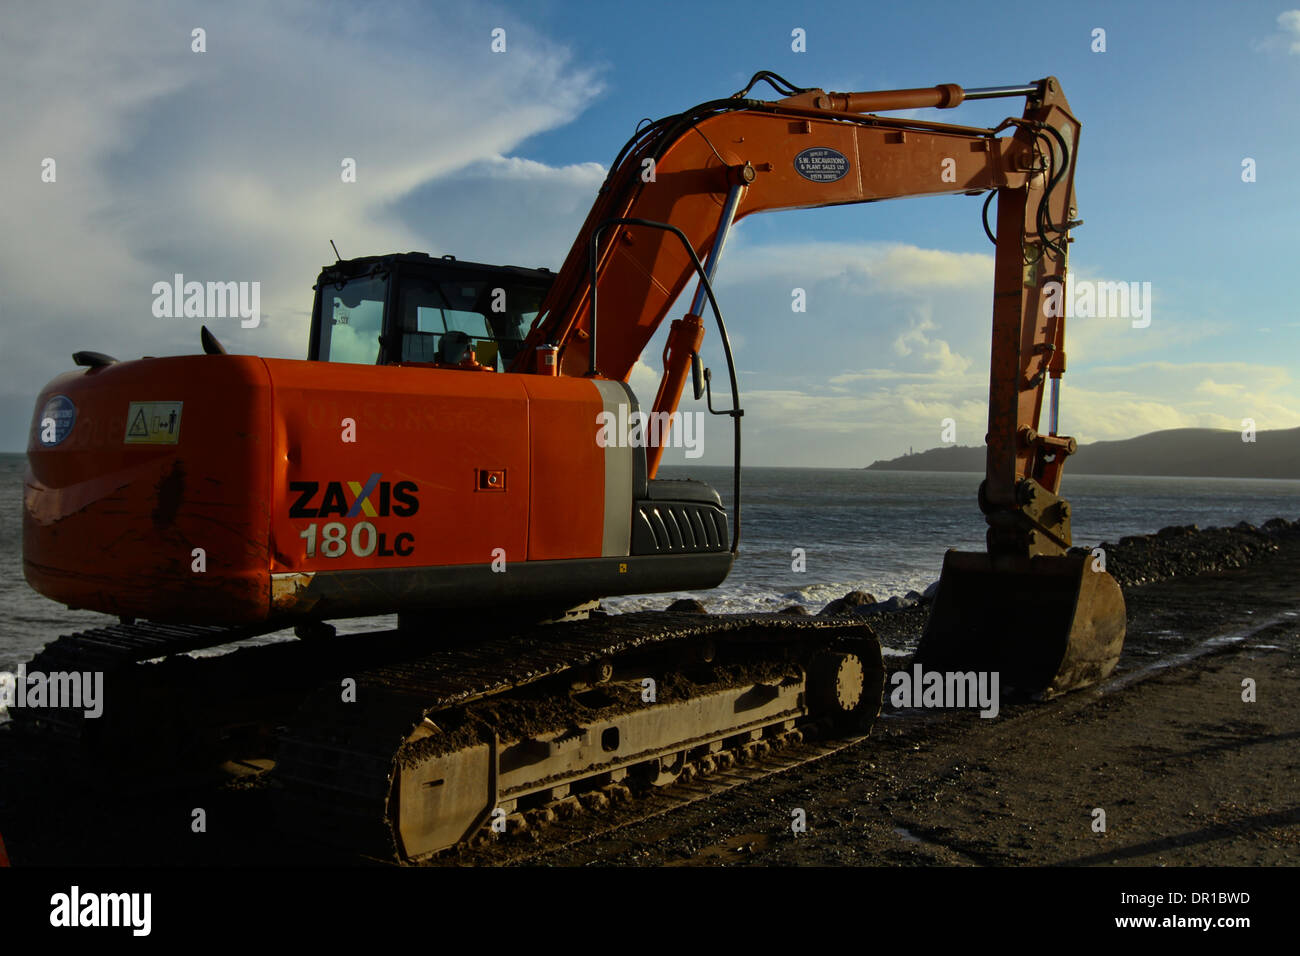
{"x":821,"y":164}
{"x":57,"y":418}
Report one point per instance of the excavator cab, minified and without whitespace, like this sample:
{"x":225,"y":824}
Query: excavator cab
{"x":416,"y":309}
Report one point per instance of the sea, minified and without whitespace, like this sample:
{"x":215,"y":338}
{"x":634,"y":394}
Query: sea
{"x":808,"y":535}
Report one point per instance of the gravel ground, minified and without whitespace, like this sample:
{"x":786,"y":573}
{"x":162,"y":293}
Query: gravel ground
{"x":1186,"y":772}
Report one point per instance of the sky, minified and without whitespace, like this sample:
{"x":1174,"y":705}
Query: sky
{"x":224,"y":165}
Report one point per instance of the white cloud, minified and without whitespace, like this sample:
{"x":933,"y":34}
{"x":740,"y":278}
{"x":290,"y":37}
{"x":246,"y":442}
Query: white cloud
{"x":885,"y":266}
{"x":503,"y":210}
{"x":883,"y":356}
{"x":1120,"y":401}
{"x":936,"y":352}
{"x":1288,"y":22}
{"x":644,"y":382}
{"x":878,"y":416}
{"x":225,"y":165}
{"x":1217,"y":390}
{"x":1286,"y":38}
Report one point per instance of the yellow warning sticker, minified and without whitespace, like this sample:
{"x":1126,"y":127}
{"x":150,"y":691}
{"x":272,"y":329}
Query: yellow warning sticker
{"x":153,"y":423}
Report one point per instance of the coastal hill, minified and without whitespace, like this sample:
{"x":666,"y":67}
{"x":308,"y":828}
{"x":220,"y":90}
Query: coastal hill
{"x":1176,"y":452}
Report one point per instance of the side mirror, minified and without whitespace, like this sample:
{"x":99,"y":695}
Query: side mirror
{"x":697,"y":375}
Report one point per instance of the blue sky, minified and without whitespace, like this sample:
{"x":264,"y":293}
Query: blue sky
{"x":223,"y":165}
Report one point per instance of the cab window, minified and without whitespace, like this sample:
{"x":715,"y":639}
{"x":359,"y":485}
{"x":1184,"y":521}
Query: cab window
{"x":495,"y":315}
{"x":352,"y":320}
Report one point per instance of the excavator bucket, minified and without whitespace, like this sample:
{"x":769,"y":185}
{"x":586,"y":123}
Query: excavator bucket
{"x":1046,"y":625}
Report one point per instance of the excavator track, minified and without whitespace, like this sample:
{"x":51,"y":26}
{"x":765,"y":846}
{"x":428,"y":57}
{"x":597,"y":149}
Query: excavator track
{"x":64,"y":737}
{"x":430,"y":753}
{"x":353,"y":722}
{"x":562,"y":827}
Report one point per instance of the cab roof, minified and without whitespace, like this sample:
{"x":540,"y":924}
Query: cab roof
{"x":423,"y":262}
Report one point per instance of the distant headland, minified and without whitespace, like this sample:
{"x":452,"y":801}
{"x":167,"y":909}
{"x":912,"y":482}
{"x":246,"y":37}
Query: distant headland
{"x":1175,"y":452}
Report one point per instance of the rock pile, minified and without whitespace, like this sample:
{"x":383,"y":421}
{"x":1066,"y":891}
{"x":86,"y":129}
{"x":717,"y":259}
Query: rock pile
{"x":1181,"y":550}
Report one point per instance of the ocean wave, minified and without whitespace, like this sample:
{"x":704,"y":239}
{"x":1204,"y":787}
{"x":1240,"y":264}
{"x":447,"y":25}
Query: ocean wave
{"x":755,"y":598}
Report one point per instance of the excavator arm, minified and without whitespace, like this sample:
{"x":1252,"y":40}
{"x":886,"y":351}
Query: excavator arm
{"x":1046,"y":620}
{"x":704,"y":169}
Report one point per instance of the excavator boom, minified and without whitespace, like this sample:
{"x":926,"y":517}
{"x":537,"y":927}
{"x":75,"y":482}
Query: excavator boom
{"x":705,"y":169}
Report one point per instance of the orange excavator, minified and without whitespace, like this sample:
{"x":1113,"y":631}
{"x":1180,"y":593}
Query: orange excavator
{"x":461,"y":447}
